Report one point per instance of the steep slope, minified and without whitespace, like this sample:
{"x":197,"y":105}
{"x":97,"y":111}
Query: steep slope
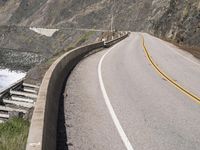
{"x":81,"y":13}
{"x":22,"y":48}
{"x":176,"y":20}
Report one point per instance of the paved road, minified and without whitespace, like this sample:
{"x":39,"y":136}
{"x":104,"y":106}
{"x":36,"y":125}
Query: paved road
{"x":116,"y":100}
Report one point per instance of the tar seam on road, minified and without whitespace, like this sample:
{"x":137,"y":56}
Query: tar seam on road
{"x":179,"y":87}
{"x":109,"y":106}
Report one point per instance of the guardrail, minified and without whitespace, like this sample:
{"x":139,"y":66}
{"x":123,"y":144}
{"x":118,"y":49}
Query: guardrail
{"x":43,"y":129}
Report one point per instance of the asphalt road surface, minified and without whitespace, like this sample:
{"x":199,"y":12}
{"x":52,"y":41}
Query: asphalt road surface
{"x":116,"y":99}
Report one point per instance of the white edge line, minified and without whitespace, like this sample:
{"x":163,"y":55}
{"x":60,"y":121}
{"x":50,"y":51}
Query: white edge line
{"x":110,"y":108}
{"x":178,"y":53}
{"x":175,"y":50}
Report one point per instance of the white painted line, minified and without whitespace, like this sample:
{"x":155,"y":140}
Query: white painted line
{"x":174,"y":50}
{"x":178,"y":53}
{"x":110,"y":108}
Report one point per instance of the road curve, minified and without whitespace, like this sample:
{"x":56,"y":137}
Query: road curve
{"x":116,"y":100}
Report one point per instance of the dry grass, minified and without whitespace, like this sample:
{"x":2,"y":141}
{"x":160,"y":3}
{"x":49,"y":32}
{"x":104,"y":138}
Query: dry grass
{"x":13,"y":134}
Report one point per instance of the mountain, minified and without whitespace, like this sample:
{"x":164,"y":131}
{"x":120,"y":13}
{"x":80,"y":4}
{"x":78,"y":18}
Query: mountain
{"x":175,"y":20}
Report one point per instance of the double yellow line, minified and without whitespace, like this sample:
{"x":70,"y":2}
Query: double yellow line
{"x":169,"y":79}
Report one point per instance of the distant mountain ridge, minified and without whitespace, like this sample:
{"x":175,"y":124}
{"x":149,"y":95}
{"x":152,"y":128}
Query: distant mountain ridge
{"x":171,"y":19}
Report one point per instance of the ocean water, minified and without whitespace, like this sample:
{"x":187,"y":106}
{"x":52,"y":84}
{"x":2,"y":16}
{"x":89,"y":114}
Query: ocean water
{"x":8,"y":77}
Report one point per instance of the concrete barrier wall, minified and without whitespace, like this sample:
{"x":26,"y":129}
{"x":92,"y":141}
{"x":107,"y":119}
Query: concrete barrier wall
{"x":112,"y":42}
{"x":42,"y":133}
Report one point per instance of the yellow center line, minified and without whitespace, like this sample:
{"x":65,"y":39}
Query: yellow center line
{"x":169,"y":79}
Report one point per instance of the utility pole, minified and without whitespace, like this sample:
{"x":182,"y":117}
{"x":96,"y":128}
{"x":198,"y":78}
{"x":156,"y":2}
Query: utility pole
{"x":111,"y":23}
{"x":112,"y":16}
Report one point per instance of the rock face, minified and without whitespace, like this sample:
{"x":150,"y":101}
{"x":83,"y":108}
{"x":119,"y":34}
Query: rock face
{"x":176,"y":20}
{"x":172,"y":19}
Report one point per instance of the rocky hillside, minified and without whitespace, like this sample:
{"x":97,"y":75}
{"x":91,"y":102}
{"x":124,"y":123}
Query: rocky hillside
{"x":22,"y":48}
{"x":176,"y":20}
{"x":172,"y":19}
